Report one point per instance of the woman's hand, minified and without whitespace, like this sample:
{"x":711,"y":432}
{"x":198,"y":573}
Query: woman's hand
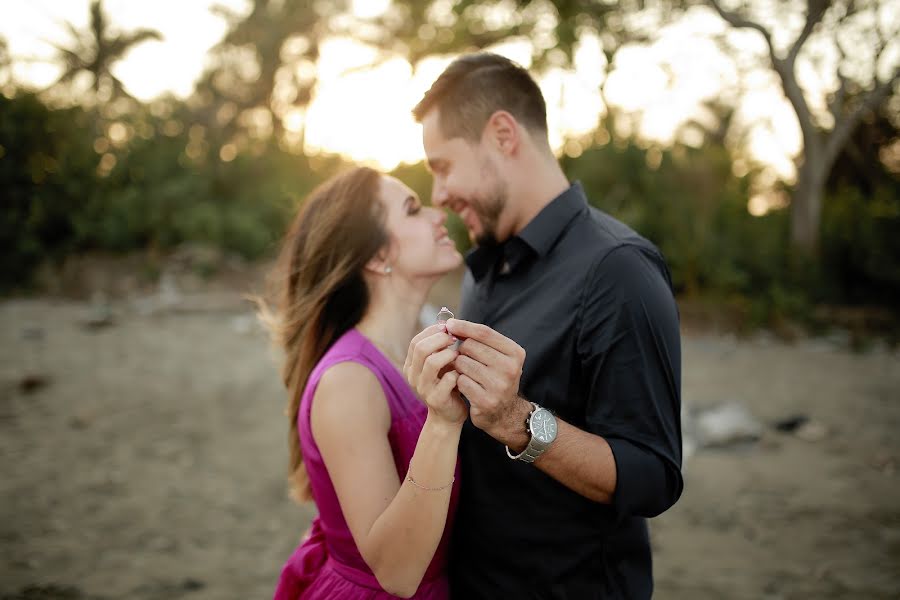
{"x":428,"y":372}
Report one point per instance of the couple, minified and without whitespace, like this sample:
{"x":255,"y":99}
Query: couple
{"x":514,"y":452}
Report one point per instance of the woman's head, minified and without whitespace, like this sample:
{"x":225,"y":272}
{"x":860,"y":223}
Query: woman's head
{"x":419,"y":250}
{"x":356,"y":235}
{"x":338,"y":230}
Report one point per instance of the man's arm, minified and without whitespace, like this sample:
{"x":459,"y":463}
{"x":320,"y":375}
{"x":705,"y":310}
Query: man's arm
{"x":490,"y":366}
{"x":581,"y":461}
{"x":628,"y":345}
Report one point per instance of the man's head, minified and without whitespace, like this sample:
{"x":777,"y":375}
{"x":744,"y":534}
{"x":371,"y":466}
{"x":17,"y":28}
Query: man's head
{"x":480,"y":118}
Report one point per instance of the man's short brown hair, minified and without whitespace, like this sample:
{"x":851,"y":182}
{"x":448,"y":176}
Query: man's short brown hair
{"x":474,"y":87}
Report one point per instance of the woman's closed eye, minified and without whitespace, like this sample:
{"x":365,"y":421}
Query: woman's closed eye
{"x":413,"y":206}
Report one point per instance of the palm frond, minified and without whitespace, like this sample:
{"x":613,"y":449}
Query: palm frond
{"x":99,"y":25}
{"x":116,"y":48}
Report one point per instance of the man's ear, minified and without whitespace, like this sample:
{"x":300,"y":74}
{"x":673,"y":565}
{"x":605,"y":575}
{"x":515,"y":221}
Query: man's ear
{"x":503,"y":132}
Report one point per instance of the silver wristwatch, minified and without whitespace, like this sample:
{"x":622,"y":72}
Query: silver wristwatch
{"x":541,"y":424}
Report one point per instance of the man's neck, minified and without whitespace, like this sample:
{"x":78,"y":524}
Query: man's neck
{"x":542,"y":182}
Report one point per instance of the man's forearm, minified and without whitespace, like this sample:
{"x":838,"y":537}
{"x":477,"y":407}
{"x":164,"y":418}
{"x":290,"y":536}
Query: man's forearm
{"x":579,"y":460}
{"x":607,"y":470}
{"x":611,"y":471}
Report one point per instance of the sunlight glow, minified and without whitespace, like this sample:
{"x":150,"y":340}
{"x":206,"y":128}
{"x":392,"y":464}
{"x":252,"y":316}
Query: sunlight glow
{"x":368,"y":9}
{"x":361,"y":104}
{"x":363,"y":114}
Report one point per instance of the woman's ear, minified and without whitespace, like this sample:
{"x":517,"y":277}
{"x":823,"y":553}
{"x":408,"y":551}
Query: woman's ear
{"x":380,"y":264}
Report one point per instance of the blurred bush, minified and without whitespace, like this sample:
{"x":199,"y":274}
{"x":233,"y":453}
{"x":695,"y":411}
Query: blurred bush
{"x":694,"y":209}
{"x":861,"y":246}
{"x":67,"y":188}
{"x":46,"y":178}
{"x":70,"y":186}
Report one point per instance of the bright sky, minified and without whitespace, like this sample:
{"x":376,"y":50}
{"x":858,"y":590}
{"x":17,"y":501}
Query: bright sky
{"x":665,"y":83}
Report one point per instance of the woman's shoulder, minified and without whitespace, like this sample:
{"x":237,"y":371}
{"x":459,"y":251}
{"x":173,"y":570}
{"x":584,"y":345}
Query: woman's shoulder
{"x":354,"y":367}
{"x":351,"y":343}
{"x":349,"y":390}
{"x":349,"y":347}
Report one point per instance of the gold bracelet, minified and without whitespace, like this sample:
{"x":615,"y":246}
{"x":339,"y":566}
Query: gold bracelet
{"x":428,"y":489}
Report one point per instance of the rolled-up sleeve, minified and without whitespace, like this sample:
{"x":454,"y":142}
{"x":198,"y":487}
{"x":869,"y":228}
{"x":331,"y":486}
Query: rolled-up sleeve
{"x":629,"y":348}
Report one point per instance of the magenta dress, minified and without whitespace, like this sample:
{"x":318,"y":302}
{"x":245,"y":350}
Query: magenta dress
{"x":327,"y":564}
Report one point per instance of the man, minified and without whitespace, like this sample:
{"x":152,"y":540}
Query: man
{"x":570,"y":356}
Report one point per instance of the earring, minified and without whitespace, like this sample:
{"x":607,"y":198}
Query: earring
{"x":387,"y":270}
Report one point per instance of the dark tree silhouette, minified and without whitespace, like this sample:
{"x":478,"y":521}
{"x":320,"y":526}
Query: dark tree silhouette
{"x":96,"y":50}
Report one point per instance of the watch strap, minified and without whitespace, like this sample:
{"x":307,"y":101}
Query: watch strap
{"x":528,"y":455}
{"x":534,"y":448}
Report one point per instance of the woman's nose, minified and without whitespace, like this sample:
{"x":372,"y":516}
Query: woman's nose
{"x":438,"y":216}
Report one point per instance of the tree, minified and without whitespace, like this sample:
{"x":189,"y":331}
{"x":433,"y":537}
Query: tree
{"x":863,"y":79}
{"x":864,"y":76}
{"x":96,"y":50}
{"x":265,"y":60}
{"x":837,"y":24}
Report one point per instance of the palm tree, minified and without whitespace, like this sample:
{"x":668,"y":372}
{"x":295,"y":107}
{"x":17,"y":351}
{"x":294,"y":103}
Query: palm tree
{"x":97,"y":50}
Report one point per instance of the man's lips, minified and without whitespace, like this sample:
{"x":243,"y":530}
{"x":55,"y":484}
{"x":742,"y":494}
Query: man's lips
{"x":469,"y":218}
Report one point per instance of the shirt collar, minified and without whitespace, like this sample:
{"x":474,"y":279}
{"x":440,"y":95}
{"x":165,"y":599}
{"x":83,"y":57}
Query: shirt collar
{"x":539,"y":235}
{"x":542,"y":231}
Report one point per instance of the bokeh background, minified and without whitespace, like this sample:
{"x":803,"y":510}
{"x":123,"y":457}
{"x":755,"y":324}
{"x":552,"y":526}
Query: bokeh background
{"x":152,"y":154}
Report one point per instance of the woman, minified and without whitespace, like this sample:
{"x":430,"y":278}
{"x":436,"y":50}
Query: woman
{"x":378,"y":459}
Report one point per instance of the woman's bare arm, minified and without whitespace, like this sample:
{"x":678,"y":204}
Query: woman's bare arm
{"x":396,"y":525}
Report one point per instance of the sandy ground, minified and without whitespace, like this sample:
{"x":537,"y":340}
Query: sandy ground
{"x":147,"y":461}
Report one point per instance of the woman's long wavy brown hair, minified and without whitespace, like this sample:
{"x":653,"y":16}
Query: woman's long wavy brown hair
{"x":319,"y":285}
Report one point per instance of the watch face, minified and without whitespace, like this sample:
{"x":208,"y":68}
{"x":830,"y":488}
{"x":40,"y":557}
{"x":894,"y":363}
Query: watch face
{"x":543,"y":426}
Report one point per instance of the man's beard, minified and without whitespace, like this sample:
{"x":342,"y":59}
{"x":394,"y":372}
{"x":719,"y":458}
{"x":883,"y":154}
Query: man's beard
{"x":489,"y":210}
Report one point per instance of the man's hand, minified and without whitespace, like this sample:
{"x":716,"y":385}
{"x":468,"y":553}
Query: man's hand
{"x":490,"y":367}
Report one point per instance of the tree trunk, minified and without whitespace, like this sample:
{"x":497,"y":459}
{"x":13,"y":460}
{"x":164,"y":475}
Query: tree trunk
{"x":806,"y":207}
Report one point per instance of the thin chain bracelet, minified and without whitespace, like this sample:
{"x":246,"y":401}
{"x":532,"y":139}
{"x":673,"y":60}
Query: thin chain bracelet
{"x":428,"y":489}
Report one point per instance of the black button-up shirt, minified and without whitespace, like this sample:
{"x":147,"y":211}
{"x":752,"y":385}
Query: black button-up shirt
{"x":591,"y":303}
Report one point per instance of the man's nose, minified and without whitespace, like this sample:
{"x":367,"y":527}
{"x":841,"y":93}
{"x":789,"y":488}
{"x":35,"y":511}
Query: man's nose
{"x":439,"y":195}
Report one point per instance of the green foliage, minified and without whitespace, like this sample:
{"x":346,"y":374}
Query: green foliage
{"x":861,"y":245}
{"x":46,"y":176}
{"x":59,"y":199}
{"x":693,"y":209}
{"x":168,"y":185}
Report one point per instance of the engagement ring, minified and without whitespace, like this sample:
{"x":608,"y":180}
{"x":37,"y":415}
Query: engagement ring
{"x":444,"y":315}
